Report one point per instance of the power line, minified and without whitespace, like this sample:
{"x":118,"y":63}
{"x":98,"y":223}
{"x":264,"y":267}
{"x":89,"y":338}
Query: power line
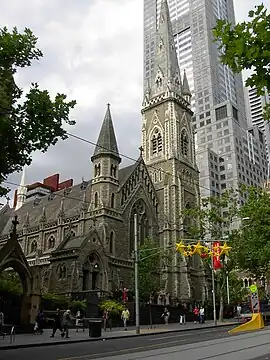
{"x":130,"y":158}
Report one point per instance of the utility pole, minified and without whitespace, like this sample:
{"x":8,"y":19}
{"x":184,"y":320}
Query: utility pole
{"x":137,"y":300}
{"x":214,"y":292}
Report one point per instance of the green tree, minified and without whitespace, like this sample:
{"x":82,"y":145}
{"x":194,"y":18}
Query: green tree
{"x":251,"y":242}
{"x":212,"y":220}
{"x":10,"y":282}
{"x":28,"y":122}
{"x":151,"y":261}
{"x":246,"y":46}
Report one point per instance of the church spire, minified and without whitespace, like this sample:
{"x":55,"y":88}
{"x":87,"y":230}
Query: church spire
{"x":21,"y":193}
{"x":106,"y":144}
{"x":186,"y":89}
{"x":166,"y":72}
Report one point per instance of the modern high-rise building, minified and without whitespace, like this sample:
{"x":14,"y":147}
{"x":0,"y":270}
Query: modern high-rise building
{"x":254,"y":105}
{"x":218,"y":102}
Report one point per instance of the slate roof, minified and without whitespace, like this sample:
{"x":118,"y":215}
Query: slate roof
{"x":71,"y":201}
{"x":107,"y":144}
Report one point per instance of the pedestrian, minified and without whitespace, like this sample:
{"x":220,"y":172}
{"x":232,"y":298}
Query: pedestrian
{"x":183,"y":312}
{"x":166,"y":316}
{"x":78,"y":322}
{"x":57,"y":324}
{"x":2,"y":317}
{"x":238,"y":311}
{"x":66,"y":323}
{"x":202,"y":318}
{"x":40,"y":322}
{"x":125,"y":317}
{"x":196,"y":313}
{"x":105,"y":319}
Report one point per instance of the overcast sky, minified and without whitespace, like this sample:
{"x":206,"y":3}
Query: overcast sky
{"x":93,"y":52}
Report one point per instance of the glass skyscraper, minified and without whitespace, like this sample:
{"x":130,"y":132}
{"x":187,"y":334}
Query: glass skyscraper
{"x":218,"y":102}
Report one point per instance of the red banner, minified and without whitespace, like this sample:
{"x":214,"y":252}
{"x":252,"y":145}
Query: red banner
{"x":216,"y":258}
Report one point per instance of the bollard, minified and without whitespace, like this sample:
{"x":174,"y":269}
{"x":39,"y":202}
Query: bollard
{"x":12,"y":335}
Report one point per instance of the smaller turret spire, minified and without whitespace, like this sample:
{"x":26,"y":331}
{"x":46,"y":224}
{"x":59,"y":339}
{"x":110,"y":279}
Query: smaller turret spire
{"x":186,"y":89}
{"x":106,"y":144}
{"x":22,"y":190}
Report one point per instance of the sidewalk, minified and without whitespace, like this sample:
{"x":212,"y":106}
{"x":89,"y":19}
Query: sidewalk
{"x":31,"y":340}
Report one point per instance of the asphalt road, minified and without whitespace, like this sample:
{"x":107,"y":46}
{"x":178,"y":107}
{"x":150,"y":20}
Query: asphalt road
{"x":115,"y":347}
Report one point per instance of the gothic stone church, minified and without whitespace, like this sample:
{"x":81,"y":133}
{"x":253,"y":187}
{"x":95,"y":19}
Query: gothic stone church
{"x":82,"y":238}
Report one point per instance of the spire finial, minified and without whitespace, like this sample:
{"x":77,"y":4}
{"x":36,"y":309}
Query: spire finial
{"x":141,"y":151}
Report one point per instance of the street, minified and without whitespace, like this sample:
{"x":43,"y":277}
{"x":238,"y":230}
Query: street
{"x":192,"y":345}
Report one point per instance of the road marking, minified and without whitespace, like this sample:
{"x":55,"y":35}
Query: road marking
{"x":150,"y":347}
{"x":178,"y":336}
{"x":112,"y":353}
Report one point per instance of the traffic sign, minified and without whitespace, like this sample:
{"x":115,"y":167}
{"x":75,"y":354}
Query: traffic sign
{"x":253,"y":288}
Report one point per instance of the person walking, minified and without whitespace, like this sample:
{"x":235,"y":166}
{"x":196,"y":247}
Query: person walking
{"x":66,"y":323}
{"x":79,"y":322}
{"x":238,"y":311}
{"x":202,"y":318}
{"x":57,"y":323}
{"x":125,"y":317}
{"x":166,"y":316}
{"x":196,"y":313}
{"x":40,"y":322}
{"x":2,"y":317}
{"x":183,"y":313}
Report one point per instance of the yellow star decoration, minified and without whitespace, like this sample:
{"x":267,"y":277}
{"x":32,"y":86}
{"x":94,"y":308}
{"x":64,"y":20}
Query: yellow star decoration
{"x":216,"y":250}
{"x":181,"y":247}
{"x":225,"y":249}
{"x":189,"y":250}
{"x":198,"y":248}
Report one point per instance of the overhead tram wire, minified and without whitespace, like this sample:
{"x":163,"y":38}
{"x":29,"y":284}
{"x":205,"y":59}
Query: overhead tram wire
{"x":79,"y":200}
{"x":132,"y":159}
{"x":122,"y":155}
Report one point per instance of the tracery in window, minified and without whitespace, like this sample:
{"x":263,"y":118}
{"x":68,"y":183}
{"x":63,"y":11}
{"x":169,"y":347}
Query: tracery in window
{"x":143,"y":226}
{"x":184,"y":143}
{"x":156,"y":142}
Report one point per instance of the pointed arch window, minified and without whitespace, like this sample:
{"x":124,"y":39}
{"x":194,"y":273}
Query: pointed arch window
{"x":157,"y":142}
{"x":33,"y":247}
{"x":97,"y":170}
{"x":51,"y":242}
{"x":184,"y":143}
{"x":96,"y":200}
{"x":113,"y":170}
{"x":140,"y":209}
{"x":111,"y":242}
{"x":112,"y":200}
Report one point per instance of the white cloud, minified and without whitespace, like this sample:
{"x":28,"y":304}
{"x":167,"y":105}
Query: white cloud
{"x":93,"y":52}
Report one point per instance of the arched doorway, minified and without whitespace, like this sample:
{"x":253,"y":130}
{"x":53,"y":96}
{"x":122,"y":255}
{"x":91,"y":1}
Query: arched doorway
{"x":92,"y":273}
{"x":15,"y":288}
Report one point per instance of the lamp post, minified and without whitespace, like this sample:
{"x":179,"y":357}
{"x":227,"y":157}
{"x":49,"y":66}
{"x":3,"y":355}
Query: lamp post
{"x":214,"y":291}
{"x":136,"y":265}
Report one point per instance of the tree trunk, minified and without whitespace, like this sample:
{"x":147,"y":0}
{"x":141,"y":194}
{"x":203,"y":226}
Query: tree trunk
{"x":221,"y":306}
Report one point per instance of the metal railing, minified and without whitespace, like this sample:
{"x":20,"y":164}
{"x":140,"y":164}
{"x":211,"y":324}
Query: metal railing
{"x":12,"y":335}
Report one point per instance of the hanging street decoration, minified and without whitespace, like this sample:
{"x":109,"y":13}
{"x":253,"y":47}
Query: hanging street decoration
{"x":204,"y":251}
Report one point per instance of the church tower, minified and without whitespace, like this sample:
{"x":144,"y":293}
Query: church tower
{"x":106,"y":162}
{"x":169,"y":151}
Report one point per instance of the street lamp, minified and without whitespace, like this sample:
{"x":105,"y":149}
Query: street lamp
{"x":136,"y":265}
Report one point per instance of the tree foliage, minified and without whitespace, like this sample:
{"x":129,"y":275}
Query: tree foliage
{"x":151,"y":261}
{"x":31,"y":121}
{"x":251,"y":243}
{"x":246,"y":46}
{"x":212,"y":221}
{"x":10,"y":282}
{"x":113,"y":306}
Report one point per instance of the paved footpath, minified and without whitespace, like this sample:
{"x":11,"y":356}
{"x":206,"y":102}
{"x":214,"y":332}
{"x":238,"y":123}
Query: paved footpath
{"x":31,"y":340}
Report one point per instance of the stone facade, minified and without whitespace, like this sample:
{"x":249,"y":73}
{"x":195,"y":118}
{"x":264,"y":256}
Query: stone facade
{"x":82,"y":238}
